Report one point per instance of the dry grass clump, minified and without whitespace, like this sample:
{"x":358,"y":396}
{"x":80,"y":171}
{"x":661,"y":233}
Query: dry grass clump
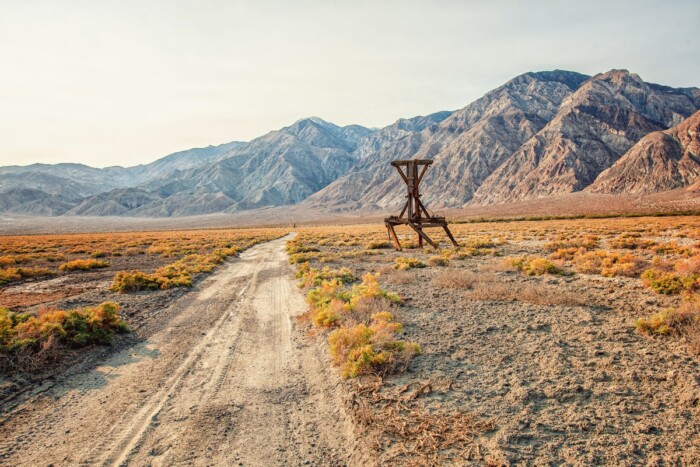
{"x":563,"y":242}
{"x":84,"y":265}
{"x":631,"y":241}
{"x":683,"y":321}
{"x":376,"y":245}
{"x":438,"y":261}
{"x":408,"y":433}
{"x":478,"y":246}
{"x":537,"y":294}
{"x":455,"y":279}
{"x":26,"y":341}
{"x":672,"y":248}
{"x":567,"y":254}
{"x":399,"y":277}
{"x":688,"y":266}
{"x":534,"y":266}
{"x":608,"y":263}
{"x":371,"y":349}
{"x":402,"y":263}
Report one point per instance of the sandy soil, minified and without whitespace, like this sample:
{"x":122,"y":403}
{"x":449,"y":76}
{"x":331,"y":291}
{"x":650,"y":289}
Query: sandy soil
{"x":222,"y":379}
{"x":570,"y":384}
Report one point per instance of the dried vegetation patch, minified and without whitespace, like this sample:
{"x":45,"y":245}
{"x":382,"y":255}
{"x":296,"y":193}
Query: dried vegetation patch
{"x":587,"y":280}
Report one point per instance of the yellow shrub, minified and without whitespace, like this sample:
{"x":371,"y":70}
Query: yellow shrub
{"x":364,"y":349}
{"x":608,"y":263}
{"x":562,"y":242}
{"x":84,"y":265}
{"x":438,"y":261}
{"x":52,"y":327}
{"x":17,"y":274}
{"x":408,"y":263}
{"x":668,"y":283}
{"x":534,"y":266}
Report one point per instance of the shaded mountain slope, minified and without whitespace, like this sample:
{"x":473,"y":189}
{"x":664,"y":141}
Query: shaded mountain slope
{"x":661,"y":161}
{"x":594,"y":127}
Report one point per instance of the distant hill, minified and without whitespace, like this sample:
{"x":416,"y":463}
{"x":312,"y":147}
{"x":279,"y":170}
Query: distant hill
{"x":541,"y":134}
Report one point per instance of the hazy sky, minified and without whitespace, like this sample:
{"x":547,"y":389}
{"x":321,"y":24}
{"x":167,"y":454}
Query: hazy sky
{"x":125,"y":82}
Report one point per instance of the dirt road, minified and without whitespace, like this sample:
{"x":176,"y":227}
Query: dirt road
{"x":221,"y":380}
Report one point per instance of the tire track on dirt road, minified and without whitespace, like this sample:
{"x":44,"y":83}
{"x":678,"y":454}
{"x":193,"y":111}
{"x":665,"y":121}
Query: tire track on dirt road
{"x":225,"y":380}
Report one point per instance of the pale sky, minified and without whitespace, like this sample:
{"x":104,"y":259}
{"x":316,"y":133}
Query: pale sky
{"x":125,"y":82}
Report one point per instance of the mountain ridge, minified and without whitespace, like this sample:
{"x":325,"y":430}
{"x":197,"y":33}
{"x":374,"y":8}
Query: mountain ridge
{"x":540,"y":134}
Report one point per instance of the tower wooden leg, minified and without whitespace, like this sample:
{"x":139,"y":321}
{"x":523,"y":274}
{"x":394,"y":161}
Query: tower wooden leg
{"x":423,"y":235}
{"x":392,"y":234}
{"x":449,"y":234}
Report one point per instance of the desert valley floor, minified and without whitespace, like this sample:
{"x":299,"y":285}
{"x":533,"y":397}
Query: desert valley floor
{"x":572,"y":341}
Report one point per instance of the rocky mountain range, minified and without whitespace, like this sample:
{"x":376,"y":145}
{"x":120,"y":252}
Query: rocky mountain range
{"x":538,"y":135}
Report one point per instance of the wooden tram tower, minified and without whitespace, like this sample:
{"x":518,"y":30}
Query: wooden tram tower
{"x":417,"y":216}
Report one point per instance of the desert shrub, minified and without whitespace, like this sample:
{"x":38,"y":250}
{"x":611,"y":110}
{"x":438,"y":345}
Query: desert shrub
{"x":297,"y":258}
{"x":402,"y":263}
{"x":465,"y":252}
{"x":455,"y":279}
{"x":567,"y":254}
{"x":98,"y":254}
{"x":534,"y":266}
{"x":377,"y":245}
{"x":630,"y":241}
{"x":671,"y":248}
{"x":326,"y":305}
{"x":400,"y":277}
{"x":438,"y":261}
{"x":688,"y":266}
{"x":54,"y":258}
{"x":369,"y":288}
{"x":608,"y":263}
{"x":668,"y":283}
{"x":311,"y":276}
{"x":177,"y":274}
{"x":330,"y":304}
{"x":83,"y":265}
{"x":586,"y":242}
{"x":481,"y":242}
{"x":132,"y":281}
{"x":684,"y":321}
{"x":295,"y":246}
{"x":374,"y":348}
{"x":25,"y":338}
{"x":17,"y":274}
